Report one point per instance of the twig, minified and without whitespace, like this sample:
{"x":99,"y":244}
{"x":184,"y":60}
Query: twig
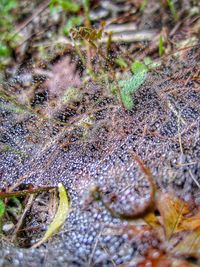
{"x":103,"y":247}
{"x":179,"y":135}
{"x":20,"y":222}
{"x":38,"y":10}
{"x":186,"y":164}
{"x":25,"y":192}
{"x":94,"y":248}
{"x":120,"y":28}
{"x":194,"y":179}
{"x":119,"y":37}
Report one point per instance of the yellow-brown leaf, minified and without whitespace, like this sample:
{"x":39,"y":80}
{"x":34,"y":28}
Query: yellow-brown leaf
{"x":190,"y":244}
{"x":172,"y":210}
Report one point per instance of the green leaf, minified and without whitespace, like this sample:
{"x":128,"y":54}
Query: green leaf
{"x":151,"y":64}
{"x":70,"y":6}
{"x":60,"y":216}
{"x":138,"y":66}
{"x":2,"y":208}
{"x":4,"y":51}
{"x":127,"y":100}
{"x":132,"y":85}
{"x":6,"y":5}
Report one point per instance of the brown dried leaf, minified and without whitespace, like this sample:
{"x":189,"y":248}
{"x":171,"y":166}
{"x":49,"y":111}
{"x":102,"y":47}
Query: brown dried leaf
{"x":87,"y":33}
{"x":152,"y":220}
{"x":157,"y":258}
{"x":179,"y":262}
{"x":172,"y":211}
{"x":190,"y":244}
{"x":191,"y":223}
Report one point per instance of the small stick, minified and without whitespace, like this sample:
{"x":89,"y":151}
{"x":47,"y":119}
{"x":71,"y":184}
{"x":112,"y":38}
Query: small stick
{"x":179,"y":135}
{"x":20,"y":222}
{"x":25,"y":192}
{"x":39,"y":10}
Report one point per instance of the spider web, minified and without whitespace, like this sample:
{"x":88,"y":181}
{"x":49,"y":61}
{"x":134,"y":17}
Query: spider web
{"x":89,"y":142}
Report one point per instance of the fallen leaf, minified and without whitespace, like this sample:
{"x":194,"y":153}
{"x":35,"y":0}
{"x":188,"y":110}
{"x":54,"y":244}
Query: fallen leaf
{"x":172,"y":211}
{"x":152,"y":220}
{"x":191,"y":223}
{"x":155,"y":258}
{"x":190,"y":244}
{"x":60,"y":216}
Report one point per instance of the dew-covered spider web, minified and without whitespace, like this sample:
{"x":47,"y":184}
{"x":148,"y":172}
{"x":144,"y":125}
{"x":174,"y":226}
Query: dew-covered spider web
{"x":59,"y":124}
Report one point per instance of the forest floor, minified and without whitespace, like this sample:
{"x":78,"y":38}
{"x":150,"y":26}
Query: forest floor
{"x":99,"y":100}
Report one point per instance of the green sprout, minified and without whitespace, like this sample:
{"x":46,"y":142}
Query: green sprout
{"x":68,"y":5}
{"x":172,"y":9}
{"x":121,"y":62}
{"x":161,"y":46}
{"x":128,"y":87}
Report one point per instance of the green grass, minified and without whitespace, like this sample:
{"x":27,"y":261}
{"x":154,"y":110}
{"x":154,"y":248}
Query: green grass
{"x":161,"y":46}
{"x":173,"y":9}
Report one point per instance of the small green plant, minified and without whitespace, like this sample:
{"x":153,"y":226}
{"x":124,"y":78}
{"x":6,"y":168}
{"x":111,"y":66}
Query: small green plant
{"x":143,"y":5}
{"x":2,"y":212}
{"x":172,"y":9}
{"x":2,"y":208}
{"x":74,"y":21}
{"x":121,"y":62}
{"x":161,"y":46}
{"x":128,"y":87}
{"x":67,"y":5}
{"x":13,"y":207}
{"x":7,"y":39}
{"x":90,"y":36}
